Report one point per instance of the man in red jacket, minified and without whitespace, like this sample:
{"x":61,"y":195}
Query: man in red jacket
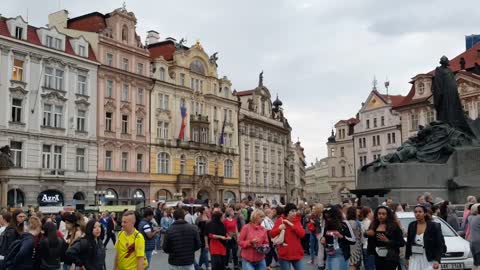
{"x":291,"y":252}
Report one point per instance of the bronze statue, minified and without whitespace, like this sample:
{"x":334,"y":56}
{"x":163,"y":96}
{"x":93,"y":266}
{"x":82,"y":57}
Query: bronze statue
{"x":446,"y":99}
{"x":5,"y":158}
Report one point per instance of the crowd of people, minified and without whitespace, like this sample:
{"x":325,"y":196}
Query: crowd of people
{"x":250,"y":235}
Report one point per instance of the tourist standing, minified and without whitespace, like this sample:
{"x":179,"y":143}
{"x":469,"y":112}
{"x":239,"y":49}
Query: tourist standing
{"x":202,"y":221}
{"x":89,"y":251}
{"x":181,"y":241}
{"x":232,"y":231}
{"x":337,"y":238}
{"x":14,"y":230}
{"x":475,"y":236}
{"x":425,"y":242}
{"x":73,"y":234}
{"x":385,"y":238}
{"x":167,"y":220}
{"x":130,"y":246}
{"x":268,"y":224}
{"x":51,"y":249}
{"x":110,"y":232}
{"x":355,"y":259}
{"x":291,"y":252}
{"x":313,"y":226}
{"x":158,"y":219}
{"x":149,"y":233}
{"x":254,"y":243}
{"x":367,"y":218}
{"x":23,"y":259}
{"x":104,"y":221}
{"x":217,"y":235}
{"x":5,"y":219}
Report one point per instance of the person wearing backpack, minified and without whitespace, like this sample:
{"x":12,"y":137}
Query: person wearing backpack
{"x":145,"y":227}
{"x":21,"y":252}
{"x":88,"y":252}
{"x":13,"y":231}
{"x":51,"y":250}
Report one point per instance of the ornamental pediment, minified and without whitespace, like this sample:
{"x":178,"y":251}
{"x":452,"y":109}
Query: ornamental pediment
{"x":54,"y":97}
{"x":82,"y":104}
{"x":54,"y":60}
{"x":18,"y":92}
{"x":109,"y":105}
{"x":141,"y":111}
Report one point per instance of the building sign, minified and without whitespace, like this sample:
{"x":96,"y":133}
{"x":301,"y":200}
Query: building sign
{"x":50,"y":198}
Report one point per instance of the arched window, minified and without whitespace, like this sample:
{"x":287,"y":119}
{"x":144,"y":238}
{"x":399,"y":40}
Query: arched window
{"x":201,"y":165}
{"x":162,"y":74}
{"x":125,"y":33}
{"x":15,"y":198}
{"x":197,"y":67}
{"x":421,"y":88}
{"x":183,"y":164}
{"x":228,"y":168}
{"x":79,"y":196}
{"x":163,"y":163}
{"x":229,"y":197}
{"x":164,"y":195}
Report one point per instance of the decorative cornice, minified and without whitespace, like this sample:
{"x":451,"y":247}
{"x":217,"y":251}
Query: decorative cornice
{"x":54,"y":95}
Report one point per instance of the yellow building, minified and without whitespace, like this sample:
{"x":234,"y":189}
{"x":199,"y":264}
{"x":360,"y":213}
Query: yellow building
{"x":201,"y":163}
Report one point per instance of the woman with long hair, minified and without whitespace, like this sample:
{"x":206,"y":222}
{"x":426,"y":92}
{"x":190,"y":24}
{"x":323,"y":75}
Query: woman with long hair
{"x":425,"y":242}
{"x":254,"y":243}
{"x":89,"y":252}
{"x":201,"y":223}
{"x":232,"y":230}
{"x":14,"y":230}
{"x":217,"y":235}
{"x":25,"y":256}
{"x":73,"y":233}
{"x":52,"y":248}
{"x":337,"y":238}
{"x":366,"y":214}
{"x":385,"y":237}
{"x":355,"y":259}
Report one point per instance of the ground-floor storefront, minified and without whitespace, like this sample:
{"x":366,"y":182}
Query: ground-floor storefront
{"x":273,"y":195}
{"x":121,"y":192}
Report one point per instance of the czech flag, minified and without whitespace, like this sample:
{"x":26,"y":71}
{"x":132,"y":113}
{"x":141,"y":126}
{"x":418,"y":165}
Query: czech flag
{"x":183,"y":113}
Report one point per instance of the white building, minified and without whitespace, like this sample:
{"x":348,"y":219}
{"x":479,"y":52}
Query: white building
{"x":379,"y":132}
{"x":317,"y":188}
{"x":296,"y":184}
{"x":48,"y":91}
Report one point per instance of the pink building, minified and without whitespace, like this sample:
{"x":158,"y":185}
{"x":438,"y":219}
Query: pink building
{"x":123,"y":106}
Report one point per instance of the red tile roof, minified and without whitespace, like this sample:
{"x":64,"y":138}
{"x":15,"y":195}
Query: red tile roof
{"x":165,"y":48}
{"x":91,"y":22}
{"x":244,"y":93}
{"x":351,"y":121}
{"x":471,"y":57}
{"x":396,"y":99}
{"x":32,"y":37}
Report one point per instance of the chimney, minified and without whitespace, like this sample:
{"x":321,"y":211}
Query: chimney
{"x":58,"y":19}
{"x":152,"y":37}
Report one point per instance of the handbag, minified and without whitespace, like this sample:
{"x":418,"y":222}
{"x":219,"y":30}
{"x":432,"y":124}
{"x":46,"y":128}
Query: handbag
{"x":263,"y":249}
{"x":279,"y":239}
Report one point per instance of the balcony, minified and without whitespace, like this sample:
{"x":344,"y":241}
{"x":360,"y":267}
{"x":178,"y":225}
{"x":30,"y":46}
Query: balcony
{"x":199,"y":118}
{"x":54,"y":172}
{"x":206,"y":147}
{"x":206,"y":180}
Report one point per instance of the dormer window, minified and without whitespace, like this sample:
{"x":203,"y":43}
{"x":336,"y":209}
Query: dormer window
{"x":82,"y":51}
{"x":49,"y":41}
{"x":421,"y":88}
{"x":18,"y":32}
{"x":54,"y":43}
{"x":125,"y":33}
{"x":58,"y":44}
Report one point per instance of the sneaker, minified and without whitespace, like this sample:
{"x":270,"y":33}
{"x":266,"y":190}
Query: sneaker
{"x":154,"y":252}
{"x":311,"y":262}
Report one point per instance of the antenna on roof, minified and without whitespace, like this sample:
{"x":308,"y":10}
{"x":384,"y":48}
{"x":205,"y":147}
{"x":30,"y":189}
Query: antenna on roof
{"x":374,"y":83}
{"x":387,"y":84}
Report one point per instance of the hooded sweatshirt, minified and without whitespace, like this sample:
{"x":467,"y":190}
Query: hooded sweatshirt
{"x":293,"y":250}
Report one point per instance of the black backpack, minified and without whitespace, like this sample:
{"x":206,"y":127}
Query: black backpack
{"x":4,"y":245}
{"x":13,"y":250}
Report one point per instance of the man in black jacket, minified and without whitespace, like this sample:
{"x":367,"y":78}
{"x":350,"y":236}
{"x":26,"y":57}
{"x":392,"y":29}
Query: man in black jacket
{"x":181,"y":241}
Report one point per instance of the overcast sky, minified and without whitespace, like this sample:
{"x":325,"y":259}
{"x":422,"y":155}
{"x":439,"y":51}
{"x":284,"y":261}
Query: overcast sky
{"x":319,"y":56}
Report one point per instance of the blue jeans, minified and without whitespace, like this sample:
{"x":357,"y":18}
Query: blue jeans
{"x":158,"y":241}
{"x":148,"y":254}
{"x":337,"y":261}
{"x":203,"y":259}
{"x":313,"y":246}
{"x":246,"y":265}
{"x":286,"y":265}
{"x":368,"y":261}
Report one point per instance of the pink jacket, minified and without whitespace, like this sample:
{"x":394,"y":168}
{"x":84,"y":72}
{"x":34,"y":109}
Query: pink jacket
{"x":249,"y":232}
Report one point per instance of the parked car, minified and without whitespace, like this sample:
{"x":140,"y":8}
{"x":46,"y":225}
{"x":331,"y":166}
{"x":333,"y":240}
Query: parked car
{"x":458,"y":254}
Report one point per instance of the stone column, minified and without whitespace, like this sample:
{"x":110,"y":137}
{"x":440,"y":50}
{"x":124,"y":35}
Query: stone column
{"x":4,"y":191}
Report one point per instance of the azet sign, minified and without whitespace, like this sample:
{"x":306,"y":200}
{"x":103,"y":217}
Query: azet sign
{"x":50,"y":198}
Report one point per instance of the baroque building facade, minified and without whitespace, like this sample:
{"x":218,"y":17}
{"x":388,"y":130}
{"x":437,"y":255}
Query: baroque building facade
{"x":194,"y":147}
{"x":296,"y":184}
{"x":316,"y":183}
{"x":264,"y":146}
{"x":49,"y":92}
{"x":123,"y":112}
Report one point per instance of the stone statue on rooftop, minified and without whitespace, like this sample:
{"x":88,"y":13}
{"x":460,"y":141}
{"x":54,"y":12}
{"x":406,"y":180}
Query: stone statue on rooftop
{"x":213,"y":59}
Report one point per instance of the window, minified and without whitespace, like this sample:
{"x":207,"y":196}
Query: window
{"x":109,"y":88}
{"x":368,"y":123}
{"x":125,"y":33}
{"x":204,"y":135}
{"x":374,"y":122}
{"x":109,"y":59}
{"x":125,"y":124}
{"x":164,"y":101}
{"x":140,"y":163}
{"x":163,"y":130}
{"x":364,"y":140}
{"x":81,"y":50}
{"x":257,"y":154}
{"x":272,"y":156}
{"x":342,"y":151}
{"x":332,"y":152}
{"x":247,"y":152}
{"x":139,"y":126}
{"x":421,"y":88}
{"x":16,"y":110}
{"x":18,"y":32}
{"x":162,"y":74}
{"x":413,"y":121}
{"x":262,"y":111}
{"x":343,"y":171}
{"x":374,"y":140}
{"x":230,"y":116}
{"x":17,"y":70}
{"x":333,"y":171}
{"x":228,"y":168}
{"x":215,"y":115}
{"x":183,"y":164}
{"x":125,"y":92}
{"x":182,"y":79}
{"x":265,"y":178}
{"x":429,"y":117}
{"x":124,"y":161}
{"x":16,"y":153}
{"x":57,"y":121}
{"x":378,"y":140}
{"x":201,"y":165}
{"x":80,"y":160}
{"x":48,"y":83}
{"x":393,"y":138}
{"x":364,"y":160}
{"x":140,"y":68}
{"x":59,"y":79}
{"x":247,"y":174}
{"x":58,"y":44}
{"x":108,"y":160}
{"x":257,"y":177}
{"x":272,"y":178}
{"x":125,"y":64}
{"x":140,"y":96}
{"x":82,"y":85}
{"x":196,"y":135}
{"x":81,"y":120}
{"x":389,"y":138}
{"x":360,"y":143}
{"x":265,"y":155}
{"x":46,"y":156}
{"x":49,"y":41}
{"x":382,"y":120}
{"x":47,"y":115}
{"x":57,"y":157}
{"x":108,"y":121}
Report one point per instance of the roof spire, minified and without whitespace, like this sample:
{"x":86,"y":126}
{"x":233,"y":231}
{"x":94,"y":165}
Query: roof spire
{"x":374,"y":83}
{"x":260,"y":79}
{"x":124,"y":5}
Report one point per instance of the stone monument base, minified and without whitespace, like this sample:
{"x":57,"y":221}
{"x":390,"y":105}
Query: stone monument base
{"x":404,"y":182}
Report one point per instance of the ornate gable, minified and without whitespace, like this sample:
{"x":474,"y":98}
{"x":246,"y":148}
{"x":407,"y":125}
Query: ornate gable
{"x":54,"y":98}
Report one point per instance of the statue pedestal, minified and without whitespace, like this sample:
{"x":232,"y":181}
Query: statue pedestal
{"x":453,"y":180}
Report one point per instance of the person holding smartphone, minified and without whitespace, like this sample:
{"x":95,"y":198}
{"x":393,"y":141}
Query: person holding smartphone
{"x":385,"y":237}
{"x":425,"y":242}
